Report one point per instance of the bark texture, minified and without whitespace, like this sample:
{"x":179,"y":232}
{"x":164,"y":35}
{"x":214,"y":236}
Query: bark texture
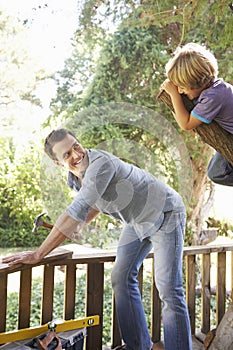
{"x":224,"y":335}
{"x":201,"y":155}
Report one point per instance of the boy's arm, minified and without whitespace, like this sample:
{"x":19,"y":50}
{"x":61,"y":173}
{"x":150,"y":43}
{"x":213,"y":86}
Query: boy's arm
{"x":212,"y":134}
{"x":185,"y":120}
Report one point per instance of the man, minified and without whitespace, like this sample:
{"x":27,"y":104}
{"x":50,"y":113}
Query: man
{"x":153,"y":216}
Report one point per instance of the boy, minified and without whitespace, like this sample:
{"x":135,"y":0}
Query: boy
{"x":193,"y":71}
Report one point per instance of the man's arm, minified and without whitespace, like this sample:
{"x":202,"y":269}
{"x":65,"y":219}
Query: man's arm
{"x":91,"y":215}
{"x":52,"y":241}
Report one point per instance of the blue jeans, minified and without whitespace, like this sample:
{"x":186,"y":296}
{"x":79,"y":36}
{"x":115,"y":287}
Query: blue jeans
{"x":167,"y":245}
{"x":220,"y":170}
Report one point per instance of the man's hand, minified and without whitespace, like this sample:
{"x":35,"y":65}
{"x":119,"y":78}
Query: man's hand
{"x":65,"y":228}
{"x":27,"y":257}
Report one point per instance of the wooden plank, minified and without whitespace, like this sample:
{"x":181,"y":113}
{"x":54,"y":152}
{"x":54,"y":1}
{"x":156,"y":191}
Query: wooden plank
{"x":221,"y":286}
{"x":25,"y":298}
{"x":47,"y":294}
{"x":194,"y":250}
{"x":70,"y":288}
{"x":62,"y":256}
{"x":155,"y":311}
{"x":56,"y":255}
{"x":3,"y":298}
{"x":110,"y":256}
{"x":116,"y":335}
{"x":94,"y":304}
{"x":205,"y":294}
{"x":190,"y":289}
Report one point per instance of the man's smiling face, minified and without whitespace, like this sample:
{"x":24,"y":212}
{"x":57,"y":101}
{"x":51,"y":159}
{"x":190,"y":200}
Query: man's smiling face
{"x":70,"y":154}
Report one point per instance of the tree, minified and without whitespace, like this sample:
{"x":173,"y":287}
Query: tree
{"x":125,"y":61}
{"x":210,"y":134}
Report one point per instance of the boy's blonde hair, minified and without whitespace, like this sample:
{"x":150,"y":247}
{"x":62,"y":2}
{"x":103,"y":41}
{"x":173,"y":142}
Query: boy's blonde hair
{"x":192,"y":66}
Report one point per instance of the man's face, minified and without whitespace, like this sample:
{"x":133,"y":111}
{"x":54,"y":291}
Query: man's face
{"x":71,"y":154}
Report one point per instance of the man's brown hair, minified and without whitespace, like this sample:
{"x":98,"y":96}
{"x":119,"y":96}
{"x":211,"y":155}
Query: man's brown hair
{"x":54,"y":137}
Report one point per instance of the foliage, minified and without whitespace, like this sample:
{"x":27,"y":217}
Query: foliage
{"x":119,"y":52}
{"x":20,"y":195}
{"x":12,"y":305}
{"x":224,"y":228}
{"x":19,"y":162}
{"x":127,"y":69}
{"x":126,"y":47}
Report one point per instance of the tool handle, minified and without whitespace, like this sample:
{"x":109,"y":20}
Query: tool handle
{"x":44,"y":344}
{"x":47,"y":225}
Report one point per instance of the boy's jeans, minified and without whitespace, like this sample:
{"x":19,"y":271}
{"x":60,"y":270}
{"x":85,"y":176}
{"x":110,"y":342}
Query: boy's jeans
{"x":167,"y":245}
{"x":220,"y":170}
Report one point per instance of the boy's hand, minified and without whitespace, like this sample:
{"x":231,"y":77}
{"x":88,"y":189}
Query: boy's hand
{"x":170,"y":88}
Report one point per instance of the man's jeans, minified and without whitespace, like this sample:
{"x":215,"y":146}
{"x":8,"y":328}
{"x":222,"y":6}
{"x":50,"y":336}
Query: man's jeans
{"x":220,"y":170}
{"x":167,"y":245}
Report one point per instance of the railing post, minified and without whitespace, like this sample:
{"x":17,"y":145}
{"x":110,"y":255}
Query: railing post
{"x":25,"y":298}
{"x":221,"y":286}
{"x":191,"y":289}
{"x":3,"y":298}
{"x":155,"y":311}
{"x":116,"y":336}
{"x":94,"y":306}
{"x":205,"y":294}
{"x":70,"y":287}
{"x":47,"y":294}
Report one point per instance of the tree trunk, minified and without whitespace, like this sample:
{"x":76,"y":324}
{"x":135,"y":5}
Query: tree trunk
{"x":224,"y":336}
{"x":202,"y":197}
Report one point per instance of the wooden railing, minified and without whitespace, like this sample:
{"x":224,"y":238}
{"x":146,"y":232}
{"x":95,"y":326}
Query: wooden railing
{"x":198,"y":269}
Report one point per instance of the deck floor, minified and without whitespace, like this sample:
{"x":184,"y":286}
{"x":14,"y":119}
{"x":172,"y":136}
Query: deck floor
{"x":197,"y":345}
